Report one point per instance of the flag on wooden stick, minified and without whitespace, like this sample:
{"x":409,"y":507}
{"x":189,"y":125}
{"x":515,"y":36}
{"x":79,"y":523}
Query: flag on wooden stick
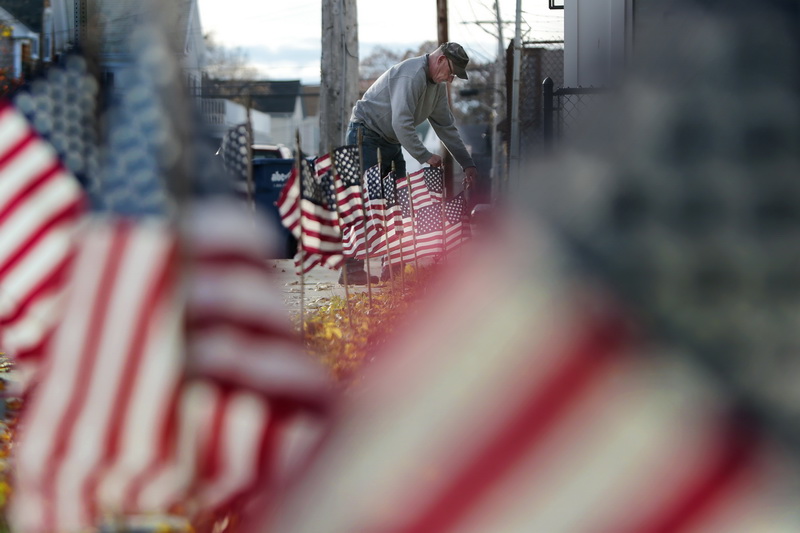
{"x":307,"y":205}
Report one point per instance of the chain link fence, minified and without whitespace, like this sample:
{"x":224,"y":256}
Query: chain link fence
{"x":566,"y":110}
{"x":539,"y":60}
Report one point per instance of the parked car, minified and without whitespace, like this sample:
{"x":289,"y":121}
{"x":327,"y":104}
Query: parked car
{"x":271,"y":151}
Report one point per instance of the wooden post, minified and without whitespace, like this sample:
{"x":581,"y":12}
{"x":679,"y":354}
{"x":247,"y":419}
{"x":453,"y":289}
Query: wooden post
{"x":339,"y":217}
{"x":366,"y":218}
{"x":339,"y":70}
{"x":443,"y":34}
{"x":300,"y":248}
{"x":400,"y":240}
{"x":251,"y":190}
{"x":388,"y":257}
{"x":413,"y":223}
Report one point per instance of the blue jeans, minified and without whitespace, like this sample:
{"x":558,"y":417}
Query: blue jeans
{"x":371,"y":142}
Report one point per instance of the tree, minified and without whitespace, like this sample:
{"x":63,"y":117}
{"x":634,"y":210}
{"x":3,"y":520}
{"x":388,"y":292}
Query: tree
{"x":383,"y":58}
{"x":227,"y":63}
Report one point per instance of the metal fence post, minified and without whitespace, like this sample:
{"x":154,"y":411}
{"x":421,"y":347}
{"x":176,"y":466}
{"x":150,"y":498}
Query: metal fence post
{"x":547,"y":113}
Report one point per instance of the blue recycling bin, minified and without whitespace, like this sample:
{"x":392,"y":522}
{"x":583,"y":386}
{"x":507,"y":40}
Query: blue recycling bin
{"x":269,"y":177}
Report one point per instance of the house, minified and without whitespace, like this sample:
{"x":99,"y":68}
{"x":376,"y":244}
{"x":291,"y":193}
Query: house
{"x":290,"y":106}
{"x":22,"y":25}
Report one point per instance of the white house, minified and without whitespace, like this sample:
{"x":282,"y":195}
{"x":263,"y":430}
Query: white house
{"x":20,"y":38}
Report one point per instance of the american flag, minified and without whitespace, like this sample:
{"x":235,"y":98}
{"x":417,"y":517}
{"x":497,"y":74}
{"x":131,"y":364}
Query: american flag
{"x":427,"y":186}
{"x":362,"y":235}
{"x":102,"y":418}
{"x":134,"y":414}
{"x":456,"y":225}
{"x":546,"y":414}
{"x":431,"y":226}
{"x":307,"y":205}
{"x":383,"y":211}
{"x":234,"y":152}
{"x":41,"y":203}
{"x":266,"y":398}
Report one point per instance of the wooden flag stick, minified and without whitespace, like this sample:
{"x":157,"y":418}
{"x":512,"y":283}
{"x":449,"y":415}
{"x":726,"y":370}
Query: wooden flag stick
{"x":341,"y":227}
{"x":300,"y":248}
{"x":251,"y":194}
{"x":444,"y":217}
{"x":413,"y":224}
{"x":400,"y":240}
{"x":387,"y":258}
{"x":366,"y":222}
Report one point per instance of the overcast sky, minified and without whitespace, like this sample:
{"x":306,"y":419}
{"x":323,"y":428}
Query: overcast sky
{"x":282,"y":38}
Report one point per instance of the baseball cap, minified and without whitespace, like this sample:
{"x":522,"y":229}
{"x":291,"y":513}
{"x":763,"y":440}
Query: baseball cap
{"x":458,"y":57}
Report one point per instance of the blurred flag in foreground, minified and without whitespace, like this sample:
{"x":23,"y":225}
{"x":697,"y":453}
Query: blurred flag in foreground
{"x":625,"y":359}
{"x":531,"y":403}
{"x":41,"y":202}
{"x":174,"y":383}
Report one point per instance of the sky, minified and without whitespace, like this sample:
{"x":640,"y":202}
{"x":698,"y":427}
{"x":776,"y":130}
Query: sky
{"x":282,"y":38}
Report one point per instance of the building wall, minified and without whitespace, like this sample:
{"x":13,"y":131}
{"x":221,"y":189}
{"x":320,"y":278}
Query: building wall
{"x":597,"y":39}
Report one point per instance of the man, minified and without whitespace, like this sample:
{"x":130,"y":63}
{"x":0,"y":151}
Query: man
{"x":403,"y":97}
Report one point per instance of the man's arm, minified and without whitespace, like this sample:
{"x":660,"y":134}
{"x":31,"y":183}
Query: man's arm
{"x":444,"y":125}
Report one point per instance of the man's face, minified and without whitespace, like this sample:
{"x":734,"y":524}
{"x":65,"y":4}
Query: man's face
{"x":442,"y":70}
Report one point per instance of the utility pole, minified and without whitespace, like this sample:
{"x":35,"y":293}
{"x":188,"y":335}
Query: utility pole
{"x":441,"y":25}
{"x":514,"y":159}
{"x":495,"y":174}
{"x":339,"y":70}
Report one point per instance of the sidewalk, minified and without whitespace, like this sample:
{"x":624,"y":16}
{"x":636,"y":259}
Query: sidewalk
{"x":320,"y":284}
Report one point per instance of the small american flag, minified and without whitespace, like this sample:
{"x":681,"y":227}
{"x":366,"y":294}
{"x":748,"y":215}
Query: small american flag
{"x":234,"y":152}
{"x":382,"y":210}
{"x":363,"y":232}
{"x":431,"y":226}
{"x":41,"y":202}
{"x":307,"y":205}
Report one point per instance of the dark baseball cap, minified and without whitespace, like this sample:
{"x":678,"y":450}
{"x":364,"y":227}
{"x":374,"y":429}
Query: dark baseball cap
{"x":458,"y":57}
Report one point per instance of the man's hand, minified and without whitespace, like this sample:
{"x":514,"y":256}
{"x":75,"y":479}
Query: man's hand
{"x":435,"y":161}
{"x":470,"y":176}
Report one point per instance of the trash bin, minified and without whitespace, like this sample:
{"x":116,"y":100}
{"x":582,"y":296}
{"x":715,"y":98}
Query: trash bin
{"x":269,"y":177}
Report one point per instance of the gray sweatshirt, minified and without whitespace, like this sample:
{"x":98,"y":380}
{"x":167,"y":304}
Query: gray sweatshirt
{"x":402,"y":98}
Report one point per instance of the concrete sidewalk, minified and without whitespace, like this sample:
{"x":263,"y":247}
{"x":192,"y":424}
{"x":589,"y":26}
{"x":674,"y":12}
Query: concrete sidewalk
{"x":320,"y":284}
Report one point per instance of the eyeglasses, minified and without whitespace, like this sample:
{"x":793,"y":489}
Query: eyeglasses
{"x":452,"y":74}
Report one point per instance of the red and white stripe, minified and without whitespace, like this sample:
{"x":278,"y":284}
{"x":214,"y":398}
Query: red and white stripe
{"x":244,"y":357}
{"x":101,"y":417}
{"x":288,"y":205}
{"x":317,"y":230}
{"x":543,"y":414}
{"x":120,"y":425}
{"x":421,"y":195}
{"x":40,"y":206}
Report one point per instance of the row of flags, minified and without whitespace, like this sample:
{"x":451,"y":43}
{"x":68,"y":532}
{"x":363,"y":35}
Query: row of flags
{"x":336,"y":212}
{"x":160,"y":372}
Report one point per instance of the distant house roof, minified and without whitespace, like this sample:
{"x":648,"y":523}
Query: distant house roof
{"x":27,"y":12}
{"x":274,"y":97}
